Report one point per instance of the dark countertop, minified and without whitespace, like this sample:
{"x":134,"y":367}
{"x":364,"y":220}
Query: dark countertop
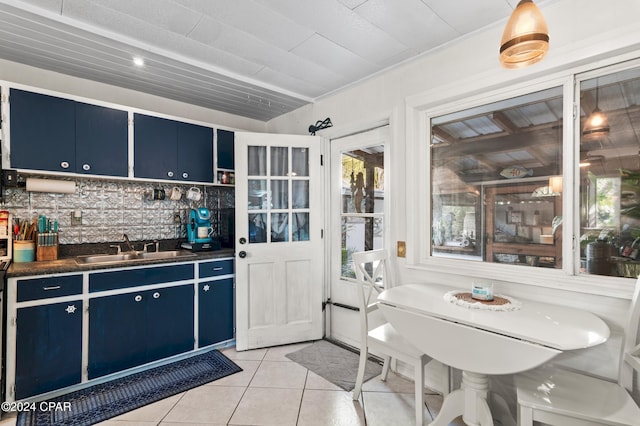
{"x":69,"y":264}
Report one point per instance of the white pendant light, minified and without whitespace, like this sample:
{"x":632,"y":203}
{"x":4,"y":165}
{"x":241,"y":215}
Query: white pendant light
{"x":525,"y":40}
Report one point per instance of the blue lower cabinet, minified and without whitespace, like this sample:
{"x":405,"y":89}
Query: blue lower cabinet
{"x":48,"y":348}
{"x":170,"y":319}
{"x":127,"y":330}
{"x":215,"y":311}
{"x":117,"y":326}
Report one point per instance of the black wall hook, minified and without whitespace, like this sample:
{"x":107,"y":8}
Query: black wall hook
{"x":320,"y":124}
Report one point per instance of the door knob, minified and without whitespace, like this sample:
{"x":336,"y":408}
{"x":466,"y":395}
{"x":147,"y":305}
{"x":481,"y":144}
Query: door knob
{"x":242,"y":254}
{"x":243,"y":240}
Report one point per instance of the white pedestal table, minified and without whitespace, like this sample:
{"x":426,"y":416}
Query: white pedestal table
{"x":485,"y":342}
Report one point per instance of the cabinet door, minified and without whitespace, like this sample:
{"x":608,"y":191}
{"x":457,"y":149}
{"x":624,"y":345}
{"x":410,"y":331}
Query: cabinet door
{"x":225,"y":143}
{"x":48,"y":348}
{"x":215,"y":311}
{"x":195,"y":153}
{"x":154,"y":147}
{"x":101,"y":140}
{"x":117,"y":333}
{"x":42,"y":132}
{"x":170,"y":321}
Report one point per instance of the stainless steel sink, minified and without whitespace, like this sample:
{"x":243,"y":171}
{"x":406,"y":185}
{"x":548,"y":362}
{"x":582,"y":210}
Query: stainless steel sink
{"x":165,"y":254}
{"x":106,"y":258}
{"x":131,"y":256}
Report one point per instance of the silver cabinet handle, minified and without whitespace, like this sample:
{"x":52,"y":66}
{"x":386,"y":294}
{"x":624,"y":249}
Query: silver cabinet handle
{"x":86,"y":167}
{"x":137,"y":298}
{"x":218,"y":268}
{"x":64,"y":164}
{"x":156,"y":295}
{"x":170,"y":174}
{"x":55,"y":287}
{"x":185,"y":175}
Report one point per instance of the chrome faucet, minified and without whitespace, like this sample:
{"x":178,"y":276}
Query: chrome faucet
{"x":127,"y":242}
{"x":155,"y":242}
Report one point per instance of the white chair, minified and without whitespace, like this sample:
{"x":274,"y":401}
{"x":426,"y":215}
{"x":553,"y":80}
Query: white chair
{"x":560,"y":397}
{"x":374,"y":273}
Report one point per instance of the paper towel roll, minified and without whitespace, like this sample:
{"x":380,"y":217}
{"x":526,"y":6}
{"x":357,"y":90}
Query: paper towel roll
{"x":51,"y":185}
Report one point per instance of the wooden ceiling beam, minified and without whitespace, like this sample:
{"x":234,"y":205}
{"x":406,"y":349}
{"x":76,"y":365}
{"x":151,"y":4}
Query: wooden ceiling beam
{"x":502,"y":143}
{"x":377,"y":159}
{"x":444,"y":136}
{"x":501,"y":119}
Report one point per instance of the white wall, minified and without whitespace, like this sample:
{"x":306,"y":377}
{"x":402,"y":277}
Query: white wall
{"x":37,"y":78}
{"x":584,"y":34}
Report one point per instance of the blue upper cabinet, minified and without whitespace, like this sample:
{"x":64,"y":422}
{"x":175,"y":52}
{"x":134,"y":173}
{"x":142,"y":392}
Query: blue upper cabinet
{"x":195,"y":152}
{"x":55,"y":134}
{"x":168,"y":149}
{"x":102,"y":139}
{"x":225,"y":149}
{"x":154,"y":147}
{"x":43,"y":132}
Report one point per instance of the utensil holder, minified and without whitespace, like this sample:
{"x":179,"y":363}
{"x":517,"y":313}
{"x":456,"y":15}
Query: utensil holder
{"x":23,"y":251}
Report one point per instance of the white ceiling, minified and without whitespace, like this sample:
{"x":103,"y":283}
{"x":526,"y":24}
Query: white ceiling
{"x":253,"y":58}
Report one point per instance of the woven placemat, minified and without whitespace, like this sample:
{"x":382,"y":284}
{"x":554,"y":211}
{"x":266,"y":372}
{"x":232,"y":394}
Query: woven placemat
{"x":468,"y":297}
{"x":499,"y":303}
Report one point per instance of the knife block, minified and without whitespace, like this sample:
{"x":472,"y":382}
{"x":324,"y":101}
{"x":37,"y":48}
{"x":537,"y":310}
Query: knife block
{"x":47,"y":246}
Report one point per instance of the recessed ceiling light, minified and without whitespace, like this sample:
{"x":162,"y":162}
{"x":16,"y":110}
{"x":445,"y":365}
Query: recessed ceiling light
{"x":138,"y":61}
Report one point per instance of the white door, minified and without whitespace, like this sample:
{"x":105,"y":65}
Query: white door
{"x":359,"y":210}
{"x":279,"y":241}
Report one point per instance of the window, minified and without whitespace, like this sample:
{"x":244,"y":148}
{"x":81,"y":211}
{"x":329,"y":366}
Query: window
{"x":610,"y":174}
{"x":496,"y":181}
{"x":497,"y":172}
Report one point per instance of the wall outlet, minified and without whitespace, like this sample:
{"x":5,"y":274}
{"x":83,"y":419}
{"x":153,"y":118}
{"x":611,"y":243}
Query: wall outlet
{"x":76,"y":217}
{"x":402,"y":249}
{"x":9,"y":178}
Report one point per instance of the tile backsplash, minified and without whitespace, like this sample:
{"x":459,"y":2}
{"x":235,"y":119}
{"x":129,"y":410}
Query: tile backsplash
{"x":111,"y":208}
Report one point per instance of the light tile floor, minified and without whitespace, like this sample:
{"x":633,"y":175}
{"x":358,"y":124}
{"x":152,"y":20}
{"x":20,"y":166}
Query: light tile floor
{"x":273,"y":390}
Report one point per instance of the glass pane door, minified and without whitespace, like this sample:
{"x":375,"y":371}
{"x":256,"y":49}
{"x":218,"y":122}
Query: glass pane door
{"x":359,"y":213}
{"x":280,"y":258}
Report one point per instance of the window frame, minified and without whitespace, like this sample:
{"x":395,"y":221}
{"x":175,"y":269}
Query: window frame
{"x":420,"y":109}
